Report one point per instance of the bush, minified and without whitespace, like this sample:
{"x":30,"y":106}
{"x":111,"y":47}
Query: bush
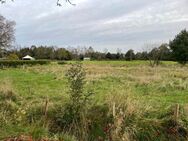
{"x":61,"y":63}
{"x":12,"y":56}
{"x":16,"y":63}
{"x":72,"y":116}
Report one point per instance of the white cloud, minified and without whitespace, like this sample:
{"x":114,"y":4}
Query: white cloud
{"x":103,"y":24}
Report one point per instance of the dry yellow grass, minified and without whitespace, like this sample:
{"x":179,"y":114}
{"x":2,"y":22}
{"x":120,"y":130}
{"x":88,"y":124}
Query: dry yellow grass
{"x":6,"y":85}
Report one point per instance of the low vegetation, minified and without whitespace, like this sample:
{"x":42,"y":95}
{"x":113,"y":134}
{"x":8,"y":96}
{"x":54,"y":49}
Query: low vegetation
{"x":107,"y":100}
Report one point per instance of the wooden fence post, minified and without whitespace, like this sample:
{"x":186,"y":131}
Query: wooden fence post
{"x":176,"y":112}
{"x":46,"y":110}
{"x":114,"y":110}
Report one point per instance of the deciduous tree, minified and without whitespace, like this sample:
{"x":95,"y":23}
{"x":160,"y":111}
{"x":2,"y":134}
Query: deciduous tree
{"x":6,"y":33}
{"x":130,"y":55}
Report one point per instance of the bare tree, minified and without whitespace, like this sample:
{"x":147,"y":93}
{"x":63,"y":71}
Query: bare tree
{"x":6,"y":33}
{"x":156,"y":53}
{"x":153,"y":54}
{"x":105,"y":50}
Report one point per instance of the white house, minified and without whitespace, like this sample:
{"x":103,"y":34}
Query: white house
{"x":87,"y":59}
{"x":27,"y":57}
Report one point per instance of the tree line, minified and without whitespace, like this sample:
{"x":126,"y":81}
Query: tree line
{"x":176,"y":50}
{"x":54,"y":53}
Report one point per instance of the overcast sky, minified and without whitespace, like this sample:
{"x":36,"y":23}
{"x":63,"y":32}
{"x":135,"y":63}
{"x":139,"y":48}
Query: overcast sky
{"x":111,"y":24}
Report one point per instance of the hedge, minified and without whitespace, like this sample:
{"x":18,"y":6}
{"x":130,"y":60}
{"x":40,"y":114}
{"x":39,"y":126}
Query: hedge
{"x":61,"y":62}
{"x":16,"y":63}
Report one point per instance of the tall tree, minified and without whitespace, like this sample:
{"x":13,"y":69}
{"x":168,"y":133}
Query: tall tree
{"x":108,"y":55}
{"x":130,"y":55}
{"x":179,"y":47}
{"x":165,"y":52}
{"x":63,"y":54}
{"x":6,"y":33}
{"x":89,"y":52}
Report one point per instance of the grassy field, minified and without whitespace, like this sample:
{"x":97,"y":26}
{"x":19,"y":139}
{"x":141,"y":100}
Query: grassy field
{"x":166,"y":84}
{"x":154,"y":89}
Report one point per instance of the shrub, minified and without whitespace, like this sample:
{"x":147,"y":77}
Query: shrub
{"x":76,"y":76}
{"x":12,"y":57}
{"x":72,"y":116}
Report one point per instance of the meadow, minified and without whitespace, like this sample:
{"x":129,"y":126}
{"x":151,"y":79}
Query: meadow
{"x":148,"y":93}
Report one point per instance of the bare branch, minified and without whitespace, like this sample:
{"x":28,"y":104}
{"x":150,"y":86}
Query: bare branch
{"x":4,"y":1}
{"x":58,"y":2}
{"x":68,"y":1}
{"x":6,"y":33}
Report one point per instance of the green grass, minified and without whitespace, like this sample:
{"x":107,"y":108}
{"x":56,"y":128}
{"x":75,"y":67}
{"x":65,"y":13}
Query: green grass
{"x":32,"y":84}
{"x":118,"y":76}
{"x":158,"y":88}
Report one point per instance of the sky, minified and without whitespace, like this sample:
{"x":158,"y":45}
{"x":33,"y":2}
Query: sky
{"x":102,"y":24}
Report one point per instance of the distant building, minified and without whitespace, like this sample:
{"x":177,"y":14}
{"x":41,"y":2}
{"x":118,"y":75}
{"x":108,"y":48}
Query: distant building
{"x":27,"y":57}
{"x":87,"y":59}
